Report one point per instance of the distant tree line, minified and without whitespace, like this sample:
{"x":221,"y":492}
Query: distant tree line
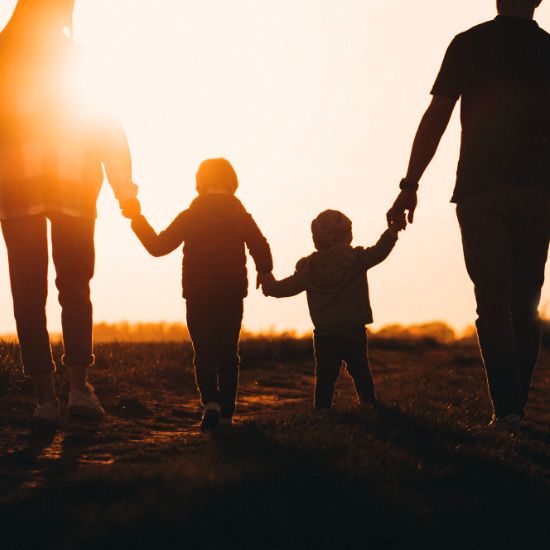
{"x":438,"y":332}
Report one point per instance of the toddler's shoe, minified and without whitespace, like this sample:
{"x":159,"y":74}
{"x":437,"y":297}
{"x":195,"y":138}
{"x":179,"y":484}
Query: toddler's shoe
{"x":47,"y":413}
{"x":85,"y":405}
{"x":366,"y":405}
{"x":210,"y":417}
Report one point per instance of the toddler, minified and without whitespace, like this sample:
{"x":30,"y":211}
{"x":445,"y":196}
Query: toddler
{"x":335,"y":281}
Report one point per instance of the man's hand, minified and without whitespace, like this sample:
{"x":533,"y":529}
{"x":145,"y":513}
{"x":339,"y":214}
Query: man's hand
{"x":406,"y":201}
{"x":264,"y":280}
{"x":130,"y":209}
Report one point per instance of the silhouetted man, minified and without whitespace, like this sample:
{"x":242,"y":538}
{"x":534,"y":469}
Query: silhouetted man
{"x":501,"y":71}
{"x":52,"y":149}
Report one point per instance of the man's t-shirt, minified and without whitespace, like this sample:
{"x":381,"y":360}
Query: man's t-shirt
{"x":501,"y":70}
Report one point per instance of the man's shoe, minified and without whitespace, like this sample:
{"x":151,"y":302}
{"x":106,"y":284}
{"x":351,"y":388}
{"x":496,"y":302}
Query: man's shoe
{"x":85,"y":405}
{"x":47,"y":412}
{"x":507,"y":423}
{"x":210,"y":417}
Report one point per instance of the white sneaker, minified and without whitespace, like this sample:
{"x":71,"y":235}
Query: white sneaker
{"x":47,"y":412}
{"x":85,"y":405}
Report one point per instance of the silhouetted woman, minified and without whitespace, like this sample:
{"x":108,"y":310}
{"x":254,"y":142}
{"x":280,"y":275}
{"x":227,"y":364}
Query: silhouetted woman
{"x":53,"y":144}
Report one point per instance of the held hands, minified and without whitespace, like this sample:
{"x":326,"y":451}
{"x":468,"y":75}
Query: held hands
{"x":265,"y":280}
{"x":406,"y":201}
{"x":397,"y":224}
{"x":131,"y":208}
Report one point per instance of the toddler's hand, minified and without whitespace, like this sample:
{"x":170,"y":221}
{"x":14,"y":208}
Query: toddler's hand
{"x":397,"y":224}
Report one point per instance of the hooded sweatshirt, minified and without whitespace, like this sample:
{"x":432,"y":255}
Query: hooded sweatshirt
{"x":214,"y":230}
{"x":336,"y":284}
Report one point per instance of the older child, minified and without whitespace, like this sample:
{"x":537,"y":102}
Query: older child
{"x":335,"y":281}
{"x":214,"y":230}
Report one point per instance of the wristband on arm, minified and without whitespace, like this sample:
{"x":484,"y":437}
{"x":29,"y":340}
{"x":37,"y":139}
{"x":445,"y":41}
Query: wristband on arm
{"x":408,"y":185}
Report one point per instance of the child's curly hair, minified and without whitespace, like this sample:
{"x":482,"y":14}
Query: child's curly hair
{"x":330,"y":228}
{"x":216,"y":176}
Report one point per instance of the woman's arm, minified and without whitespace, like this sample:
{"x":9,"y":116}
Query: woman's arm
{"x":118,"y":164}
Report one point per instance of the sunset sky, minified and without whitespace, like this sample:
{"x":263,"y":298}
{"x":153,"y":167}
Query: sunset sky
{"x":315,"y":102}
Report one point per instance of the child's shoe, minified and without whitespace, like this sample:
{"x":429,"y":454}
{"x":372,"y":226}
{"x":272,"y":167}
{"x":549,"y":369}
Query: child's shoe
{"x":210,"y":417}
{"x":226,"y":421}
{"x":47,"y":413}
{"x":85,"y":405}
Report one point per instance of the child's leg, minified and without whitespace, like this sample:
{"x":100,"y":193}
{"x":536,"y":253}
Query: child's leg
{"x":355,"y":349}
{"x":327,"y":368}
{"x":201,"y":329}
{"x":230,"y":320}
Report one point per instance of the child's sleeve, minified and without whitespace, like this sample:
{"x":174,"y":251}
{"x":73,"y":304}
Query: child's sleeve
{"x":291,"y":286}
{"x":165,"y":242}
{"x":258,"y":246}
{"x":376,"y":254}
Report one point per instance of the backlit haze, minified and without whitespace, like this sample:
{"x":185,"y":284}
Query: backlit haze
{"x":315,"y":102}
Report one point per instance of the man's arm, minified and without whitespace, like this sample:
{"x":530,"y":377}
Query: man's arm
{"x":429,"y":134}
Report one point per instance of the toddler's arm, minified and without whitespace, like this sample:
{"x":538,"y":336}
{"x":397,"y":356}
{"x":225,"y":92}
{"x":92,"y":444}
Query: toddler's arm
{"x":376,"y":254}
{"x":167,"y":241}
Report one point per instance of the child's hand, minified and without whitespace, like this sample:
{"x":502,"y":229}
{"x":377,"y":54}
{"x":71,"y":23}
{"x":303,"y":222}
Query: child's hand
{"x":131,"y":208}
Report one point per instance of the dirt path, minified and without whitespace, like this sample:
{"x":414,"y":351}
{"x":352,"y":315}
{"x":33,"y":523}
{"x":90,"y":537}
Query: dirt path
{"x":407,"y":465}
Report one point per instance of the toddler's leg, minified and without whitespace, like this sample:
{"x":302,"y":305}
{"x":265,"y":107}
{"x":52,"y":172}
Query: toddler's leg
{"x":327,"y":368}
{"x":357,"y":362}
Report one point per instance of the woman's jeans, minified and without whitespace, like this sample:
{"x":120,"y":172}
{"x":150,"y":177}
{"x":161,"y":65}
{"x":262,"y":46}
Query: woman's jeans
{"x":73,"y":255}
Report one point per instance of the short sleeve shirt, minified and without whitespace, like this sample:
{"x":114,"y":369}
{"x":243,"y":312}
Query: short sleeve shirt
{"x":501,"y":72}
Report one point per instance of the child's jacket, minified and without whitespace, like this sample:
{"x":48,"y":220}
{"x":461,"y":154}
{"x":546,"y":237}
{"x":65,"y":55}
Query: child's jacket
{"x":336,"y":284}
{"x":215,"y":229}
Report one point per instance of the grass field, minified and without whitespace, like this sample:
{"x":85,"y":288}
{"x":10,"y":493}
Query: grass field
{"x":420,"y":471}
